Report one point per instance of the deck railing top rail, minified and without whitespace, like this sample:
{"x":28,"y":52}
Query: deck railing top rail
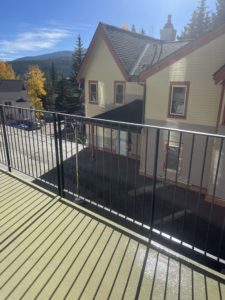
{"x":97,"y":120}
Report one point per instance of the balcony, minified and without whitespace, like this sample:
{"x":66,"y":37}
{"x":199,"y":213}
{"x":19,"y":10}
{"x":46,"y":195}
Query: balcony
{"x":54,"y":249}
{"x":80,"y":220}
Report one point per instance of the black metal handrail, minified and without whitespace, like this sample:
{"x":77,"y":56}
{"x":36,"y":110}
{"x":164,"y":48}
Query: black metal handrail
{"x":164,"y":182}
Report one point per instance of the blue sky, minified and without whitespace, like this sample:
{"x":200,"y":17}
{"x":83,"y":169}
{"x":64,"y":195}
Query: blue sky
{"x":41,"y":26}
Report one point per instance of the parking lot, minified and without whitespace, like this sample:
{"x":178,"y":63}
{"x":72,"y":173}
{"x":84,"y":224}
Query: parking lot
{"x":34,"y":152}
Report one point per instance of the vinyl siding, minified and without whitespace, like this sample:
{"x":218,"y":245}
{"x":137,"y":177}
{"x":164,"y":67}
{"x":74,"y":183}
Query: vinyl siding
{"x":202,"y":110}
{"x":103,"y":68}
{"x":204,"y":96}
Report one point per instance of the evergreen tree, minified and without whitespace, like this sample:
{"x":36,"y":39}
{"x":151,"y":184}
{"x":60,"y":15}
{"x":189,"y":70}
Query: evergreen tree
{"x":199,"y":24}
{"x":133,"y":28}
{"x":219,"y":16}
{"x":67,"y":99}
{"x":50,"y":86}
{"x":77,"y":57}
{"x":142,"y":31}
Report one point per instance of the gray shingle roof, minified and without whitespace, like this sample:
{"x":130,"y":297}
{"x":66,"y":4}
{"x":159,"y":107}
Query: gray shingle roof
{"x":137,"y":51}
{"x":11,"y":86}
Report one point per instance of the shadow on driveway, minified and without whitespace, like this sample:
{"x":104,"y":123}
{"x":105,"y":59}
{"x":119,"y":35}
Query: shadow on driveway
{"x":113,"y":182}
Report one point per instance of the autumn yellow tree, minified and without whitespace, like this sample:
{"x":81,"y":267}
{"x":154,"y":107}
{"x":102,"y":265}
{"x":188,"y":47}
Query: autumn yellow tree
{"x":35,"y":80}
{"x":6,"y":71}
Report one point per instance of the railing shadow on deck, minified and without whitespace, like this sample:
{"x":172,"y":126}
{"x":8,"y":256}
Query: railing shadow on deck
{"x":152,"y":267}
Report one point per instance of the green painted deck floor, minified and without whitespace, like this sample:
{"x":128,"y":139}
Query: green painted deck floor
{"x":53,"y":250}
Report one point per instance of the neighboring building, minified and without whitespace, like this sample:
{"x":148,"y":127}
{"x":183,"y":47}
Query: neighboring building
{"x":181,"y":85}
{"x":186,"y":91}
{"x":110,"y":73}
{"x":14,"y":93}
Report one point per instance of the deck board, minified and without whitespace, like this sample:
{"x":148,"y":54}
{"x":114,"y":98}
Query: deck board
{"x":52,"y":250}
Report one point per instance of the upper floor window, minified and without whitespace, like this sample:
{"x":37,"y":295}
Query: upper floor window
{"x":178,"y":99}
{"x":119,"y":89}
{"x":93,"y":91}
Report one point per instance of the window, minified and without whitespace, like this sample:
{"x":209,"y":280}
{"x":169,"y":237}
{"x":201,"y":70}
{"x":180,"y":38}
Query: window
{"x":178,"y":99}
{"x":174,"y":153}
{"x":119,"y":90}
{"x":93,"y":91}
{"x":8,"y":103}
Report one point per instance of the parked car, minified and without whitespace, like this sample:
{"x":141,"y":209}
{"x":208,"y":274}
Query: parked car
{"x":29,"y":125}
{"x":24,"y":124}
{"x":12,"y":123}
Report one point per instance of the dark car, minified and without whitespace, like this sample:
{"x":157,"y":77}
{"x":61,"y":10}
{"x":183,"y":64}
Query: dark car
{"x":24,"y":124}
{"x":29,"y":125}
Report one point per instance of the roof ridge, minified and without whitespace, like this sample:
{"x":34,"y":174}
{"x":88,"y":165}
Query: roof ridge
{"x":144,"y":36}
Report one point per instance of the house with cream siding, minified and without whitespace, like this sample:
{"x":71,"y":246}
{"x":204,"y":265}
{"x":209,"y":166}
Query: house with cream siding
{"x":110,"y":75}
{"x":186,"y":91}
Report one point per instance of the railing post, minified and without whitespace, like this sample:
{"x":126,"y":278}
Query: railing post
{"x":57,"y":154}
{"x":156,"y":155}
{"x":5,"y":139}
{"x":61,"y":156}
{"x":154,"y":181}
{"x":77,"y":161}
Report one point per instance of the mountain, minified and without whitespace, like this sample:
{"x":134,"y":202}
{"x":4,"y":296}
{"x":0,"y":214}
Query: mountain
{"x":61,"y":59}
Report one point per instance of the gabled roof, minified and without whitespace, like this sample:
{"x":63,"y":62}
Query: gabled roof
{"x":182,"y":52}
{"x":131,"y":112}
{"x":132,"y":51}
{"x":8,"y":86}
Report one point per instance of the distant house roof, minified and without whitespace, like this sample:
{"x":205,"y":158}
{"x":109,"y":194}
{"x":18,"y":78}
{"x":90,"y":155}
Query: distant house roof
{"x":133,"y":52}
{"x":7,"y":86}
{"x":131,"y":113}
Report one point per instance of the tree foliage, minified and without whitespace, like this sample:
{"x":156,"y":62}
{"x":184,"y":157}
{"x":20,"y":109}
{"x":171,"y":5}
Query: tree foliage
{"x":142,"y":31}
{"x":35,"y":81}
{"x":77,"y":57}
{"x":68,"y":97}
{"x":50,"y":86}
{"x":75,"y":91}
{"x":6,"y":71}
{"x":219,"y":16}
{"x":200,"y":23}
{"x":133,"y":28}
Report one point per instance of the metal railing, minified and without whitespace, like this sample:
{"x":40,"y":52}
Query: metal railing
{"x":166,"y":183}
